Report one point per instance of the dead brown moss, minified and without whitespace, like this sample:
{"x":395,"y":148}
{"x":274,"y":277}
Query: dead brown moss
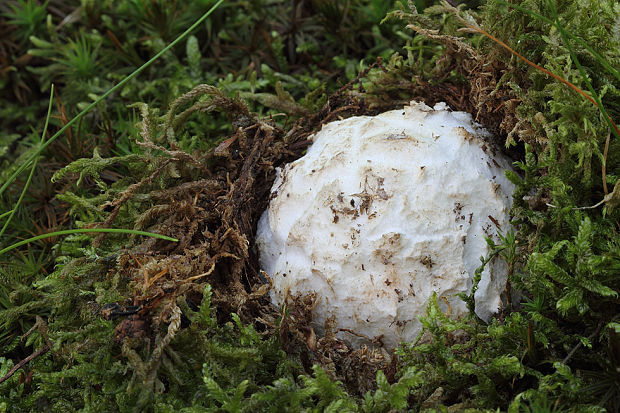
{"x":213,"y":210}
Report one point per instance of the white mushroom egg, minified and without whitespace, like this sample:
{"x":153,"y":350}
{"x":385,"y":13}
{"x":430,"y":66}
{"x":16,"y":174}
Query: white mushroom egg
{"x":381,"y":212}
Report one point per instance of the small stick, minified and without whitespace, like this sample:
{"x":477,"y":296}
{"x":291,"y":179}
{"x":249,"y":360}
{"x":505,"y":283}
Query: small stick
{"x":534,"y":65}
{"x":590,"y":337}
{"x":37,"y":353}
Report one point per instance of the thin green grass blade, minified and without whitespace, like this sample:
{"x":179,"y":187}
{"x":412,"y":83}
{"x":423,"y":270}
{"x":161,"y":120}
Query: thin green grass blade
{"x":535,"y":15}
{"x":34,"y":166}
{"x":106,"y":94}
{"x":86,"y":231}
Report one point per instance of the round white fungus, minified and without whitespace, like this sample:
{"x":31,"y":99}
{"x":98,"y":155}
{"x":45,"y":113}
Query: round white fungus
{"x":383,"y":211}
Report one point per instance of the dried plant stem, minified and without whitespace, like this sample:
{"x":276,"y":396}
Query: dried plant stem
{"x":19,"y":365}
{"x":481,"y":31}
{"x":85,"y":231}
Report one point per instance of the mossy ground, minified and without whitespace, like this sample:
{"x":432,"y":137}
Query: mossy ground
{"x":188,"y":149}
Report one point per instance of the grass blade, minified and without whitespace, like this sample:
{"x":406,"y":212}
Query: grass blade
{"x":34,"y":166}
{"x":86,"y":231}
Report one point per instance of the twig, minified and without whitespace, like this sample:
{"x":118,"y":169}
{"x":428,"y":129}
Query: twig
{"x":479,"y":30}
{"x":579,"y":208}
{"x":37,"y":353}
{"x":204,"y":274}
{"x":590,"y":337}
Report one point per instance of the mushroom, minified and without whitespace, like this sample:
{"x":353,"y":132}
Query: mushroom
{"x":382,"y":212}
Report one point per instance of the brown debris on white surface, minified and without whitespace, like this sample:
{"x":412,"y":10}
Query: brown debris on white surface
{"x":383,"y":211}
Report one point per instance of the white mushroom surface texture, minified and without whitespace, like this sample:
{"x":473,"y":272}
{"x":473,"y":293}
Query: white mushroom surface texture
{"x":380,"y":213}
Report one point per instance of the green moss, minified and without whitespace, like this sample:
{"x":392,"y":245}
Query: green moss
{"x":555,"y":345}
